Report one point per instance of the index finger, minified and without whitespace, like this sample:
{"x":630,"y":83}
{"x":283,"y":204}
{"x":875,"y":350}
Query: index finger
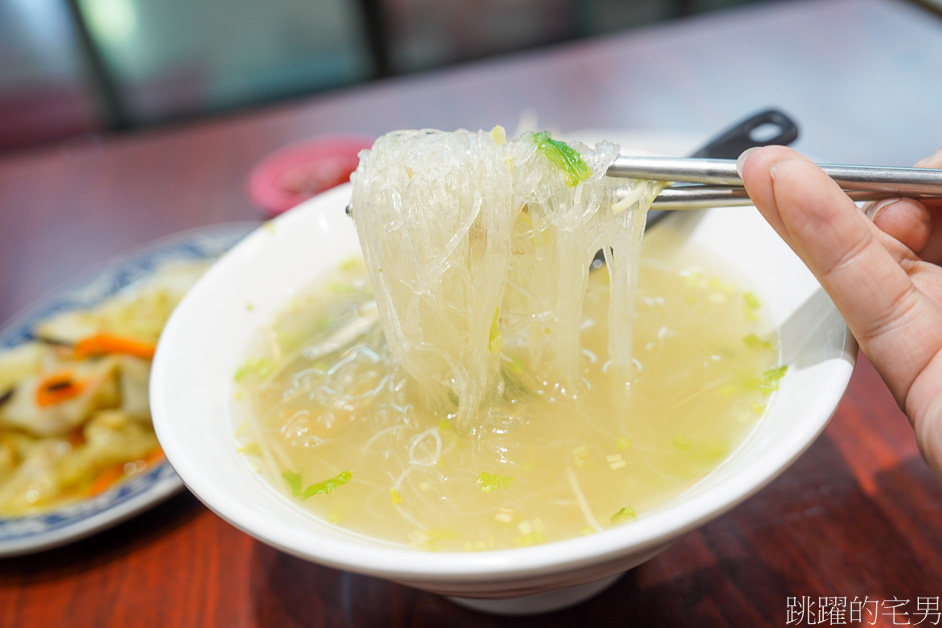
{"x":891,"y":319}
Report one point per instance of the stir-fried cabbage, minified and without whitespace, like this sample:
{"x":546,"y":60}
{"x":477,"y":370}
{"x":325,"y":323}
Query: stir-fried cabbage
{"x":74,"y":405}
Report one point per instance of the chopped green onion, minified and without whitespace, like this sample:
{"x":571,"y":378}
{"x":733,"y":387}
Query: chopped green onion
{"x":251,"y":449}
{"x":531,"y":533}
{"x":563,"y":156}
{"x":321,"y":488}
{"x":344,"y":288}
{"x":750,"y":305}
{"x":327,"y":486}
{"x":351,"y":263}
{"x":770,"y":379}
{"x":623,"y":514}
{"x":491,"y":481}
{"x":294,"y":481}
{"x":754,"y":342}
{"x":529,"y":539}
{"x":516,"y":366}
{"x":257,"y":366}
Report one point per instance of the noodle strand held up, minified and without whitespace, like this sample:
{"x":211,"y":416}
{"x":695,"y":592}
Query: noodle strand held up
{"x":478,"y":251}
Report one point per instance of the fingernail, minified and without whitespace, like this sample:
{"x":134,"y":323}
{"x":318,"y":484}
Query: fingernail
{"x":742,"y":159}
{"x":879,"y":206}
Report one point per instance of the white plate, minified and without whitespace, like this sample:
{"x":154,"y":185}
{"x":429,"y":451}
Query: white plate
{"x":56,"y":527}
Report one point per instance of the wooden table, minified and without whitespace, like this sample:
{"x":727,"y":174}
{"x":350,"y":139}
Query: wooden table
{"x":859,"y":515}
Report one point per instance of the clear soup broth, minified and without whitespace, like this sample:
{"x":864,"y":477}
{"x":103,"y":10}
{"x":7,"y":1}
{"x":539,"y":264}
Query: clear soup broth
{"x":339,"y":428}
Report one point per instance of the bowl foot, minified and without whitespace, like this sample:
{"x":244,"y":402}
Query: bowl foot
{"x":538,"y":603}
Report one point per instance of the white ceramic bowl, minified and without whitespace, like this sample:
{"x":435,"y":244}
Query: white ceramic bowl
{"x":208,"y":336}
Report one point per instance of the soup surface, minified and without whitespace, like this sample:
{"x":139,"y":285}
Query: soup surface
{"x":334,"y":422}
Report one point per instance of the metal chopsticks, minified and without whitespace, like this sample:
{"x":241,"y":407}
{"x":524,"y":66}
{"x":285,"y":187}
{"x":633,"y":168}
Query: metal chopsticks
{"x":721,"y":185}
{"x":706,"y":196}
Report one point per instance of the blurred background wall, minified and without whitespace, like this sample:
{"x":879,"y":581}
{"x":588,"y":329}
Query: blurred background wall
{"x":69,"y":67}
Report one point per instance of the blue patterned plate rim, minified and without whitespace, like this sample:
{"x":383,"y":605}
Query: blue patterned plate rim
{"x":23,"y":535}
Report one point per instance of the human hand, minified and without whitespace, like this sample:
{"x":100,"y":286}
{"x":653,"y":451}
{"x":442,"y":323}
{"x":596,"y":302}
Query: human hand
{"x":882,"y":273}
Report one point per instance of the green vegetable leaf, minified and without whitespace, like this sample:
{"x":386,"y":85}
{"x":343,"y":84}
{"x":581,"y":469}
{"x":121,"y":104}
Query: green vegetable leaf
{"x":491,"y":481}
{"x":327,"y":486}
{"x":564,"y":157}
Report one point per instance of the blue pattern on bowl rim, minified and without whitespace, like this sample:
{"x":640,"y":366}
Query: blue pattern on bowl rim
{"x":22,"y":535}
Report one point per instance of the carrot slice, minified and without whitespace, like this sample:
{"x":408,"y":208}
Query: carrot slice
{"x":57,"y":388}
{"x":112,"y":475}
{"x":102,"y":343}
{"x":106,"y":479}
{"x":154,"y":456}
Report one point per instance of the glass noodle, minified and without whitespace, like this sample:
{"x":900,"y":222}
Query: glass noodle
{"x":478,"y":250}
